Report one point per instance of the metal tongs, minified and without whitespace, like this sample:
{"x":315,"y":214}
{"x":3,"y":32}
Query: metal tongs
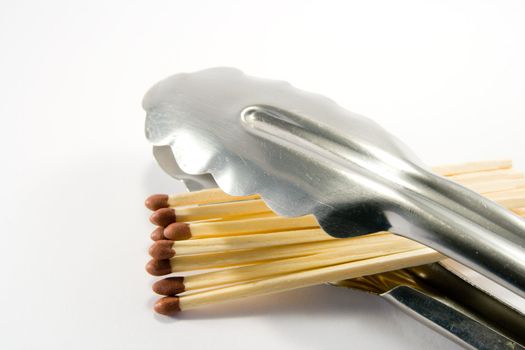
{"x":304,"y":154}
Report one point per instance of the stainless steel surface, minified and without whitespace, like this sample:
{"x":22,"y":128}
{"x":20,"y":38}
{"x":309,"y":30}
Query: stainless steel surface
{"x":488,"y":286}
{"x":167,"y":162}
{"x":451,"y":306}
{"x":305,"y":154}
{"x":448,"y":321}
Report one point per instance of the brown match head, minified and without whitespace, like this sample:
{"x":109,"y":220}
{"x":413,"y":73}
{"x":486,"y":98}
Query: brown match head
{"x":163,"y":217}
{"x":177,"y":231}
{"x":157,"y":201}
{"x":168,"y":306}
{"x":158,"y":267}
{"x":158,"y":234}
{"x":162,"y":249}
{"x":169,"y":286}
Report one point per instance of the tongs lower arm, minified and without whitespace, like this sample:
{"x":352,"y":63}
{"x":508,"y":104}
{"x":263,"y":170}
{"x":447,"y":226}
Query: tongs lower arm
{"x":466,"y":227}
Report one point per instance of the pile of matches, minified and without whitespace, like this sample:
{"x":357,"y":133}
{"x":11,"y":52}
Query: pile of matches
{"x":222,"y":247}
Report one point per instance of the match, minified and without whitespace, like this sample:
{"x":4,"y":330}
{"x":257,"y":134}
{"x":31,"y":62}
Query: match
{"x":252,"y":272}
{"x":171,"y":305}
{"x":252,"y":251}
{"x":181,"y":231}
{"x":211,"y":196}
{"x":165,"y":216}
{"x":184,"y":263}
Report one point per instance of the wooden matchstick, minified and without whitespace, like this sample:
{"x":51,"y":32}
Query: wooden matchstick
{"x":172,"y":305}
{"x":252,"y":208}
{"x":472,"y":167}
{"x":181,"y":231}
{"x":259,"y":252}
{"x":519,"y":211}
{"x":165,"y":216}
{"x":209,"y":196}
{"x":496,"y":186}
{"x":489,"y":175}
{"x":166,"y":249}
{"x":279,"y":267}
{"x":509,"y":199}
{"x":184,"y":263}
{"x":497,"y":180}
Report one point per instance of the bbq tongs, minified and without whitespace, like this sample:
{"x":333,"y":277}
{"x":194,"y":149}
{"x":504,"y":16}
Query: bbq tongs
{"x":304,"y":154}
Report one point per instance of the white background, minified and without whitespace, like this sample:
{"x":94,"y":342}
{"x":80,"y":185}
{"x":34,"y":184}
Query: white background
{"x":447,"y":77}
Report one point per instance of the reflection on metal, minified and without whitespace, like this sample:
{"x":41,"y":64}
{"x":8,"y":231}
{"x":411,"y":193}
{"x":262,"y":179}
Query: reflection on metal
{"x":167,"y":162}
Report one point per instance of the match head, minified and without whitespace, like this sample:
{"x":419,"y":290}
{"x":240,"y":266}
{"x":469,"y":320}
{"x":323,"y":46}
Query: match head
{"x":158,"y":234}
{"x":162,"y":249}
{"x":169,"y":286}
{"x":158,"y":267}
{"x":163,"y":217}
{"x":177,"y":231}
{"x":168,"y":306}
{"x":157,"y":201}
